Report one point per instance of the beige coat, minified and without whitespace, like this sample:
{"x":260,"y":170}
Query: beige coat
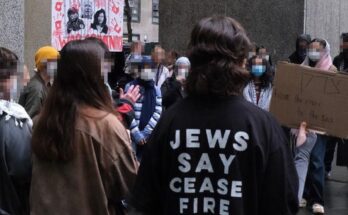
{"x":96,"y":180}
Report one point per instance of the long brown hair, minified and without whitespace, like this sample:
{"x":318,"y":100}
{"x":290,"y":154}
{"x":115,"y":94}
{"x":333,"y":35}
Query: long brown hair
{"x":78,"y":82}
{"x":218,"y":47}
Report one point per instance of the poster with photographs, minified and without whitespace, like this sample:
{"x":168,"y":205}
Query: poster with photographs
{"x":79,"y":19}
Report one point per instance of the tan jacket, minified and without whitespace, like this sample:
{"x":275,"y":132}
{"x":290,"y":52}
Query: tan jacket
{"x":96,"y":180}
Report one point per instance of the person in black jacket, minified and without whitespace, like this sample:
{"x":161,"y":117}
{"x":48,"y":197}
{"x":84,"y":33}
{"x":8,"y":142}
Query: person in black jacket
{"x":15,"y":137}
{"x":213,"y":152}
{"x":173,"y":88}
{"x":302,"y":43}
{"x":341,"y":60}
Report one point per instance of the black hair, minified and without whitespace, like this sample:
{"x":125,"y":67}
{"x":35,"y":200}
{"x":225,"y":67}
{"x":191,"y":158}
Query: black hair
{"x":267,"y":77}
{"x":95,"y":19}
{"x":78,"y":82}
{"x":72,"y":11}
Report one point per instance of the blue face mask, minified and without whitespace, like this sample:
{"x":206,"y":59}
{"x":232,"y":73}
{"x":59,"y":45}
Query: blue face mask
{"x":258,"y":70}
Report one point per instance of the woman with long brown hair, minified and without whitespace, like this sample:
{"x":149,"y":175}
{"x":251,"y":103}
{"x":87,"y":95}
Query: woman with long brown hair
{"x":82,"y":160}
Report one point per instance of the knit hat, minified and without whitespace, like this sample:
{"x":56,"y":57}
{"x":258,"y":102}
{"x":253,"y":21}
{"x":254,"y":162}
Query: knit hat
{"x":43,"y":54}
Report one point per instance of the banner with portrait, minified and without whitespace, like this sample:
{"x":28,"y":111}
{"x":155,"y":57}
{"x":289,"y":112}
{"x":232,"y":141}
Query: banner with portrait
{"x":79,"y":19}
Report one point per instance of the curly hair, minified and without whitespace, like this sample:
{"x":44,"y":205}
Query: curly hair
{"x":218,"y":48}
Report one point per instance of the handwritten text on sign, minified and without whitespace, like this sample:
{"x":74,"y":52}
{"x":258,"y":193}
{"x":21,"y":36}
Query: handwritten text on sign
{"x":209,"y":165}
{"x":79,"y":19}
{"x":306,"y":94}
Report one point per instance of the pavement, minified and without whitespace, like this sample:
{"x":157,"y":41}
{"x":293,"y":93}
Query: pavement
{"x":335,"y":194}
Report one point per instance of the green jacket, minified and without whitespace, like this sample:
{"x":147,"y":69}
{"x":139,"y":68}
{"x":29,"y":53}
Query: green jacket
{"x":33,"y":95}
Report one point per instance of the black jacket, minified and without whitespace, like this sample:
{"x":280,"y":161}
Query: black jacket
{"x":172,"y":92}
{"x":15,"y":165}
{"x":341,"y":63}
{"x":216,"y":156}
{"x":296,"y":56}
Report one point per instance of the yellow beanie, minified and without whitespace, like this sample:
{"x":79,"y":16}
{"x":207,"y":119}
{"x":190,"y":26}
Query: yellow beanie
{"x":43,"y":54}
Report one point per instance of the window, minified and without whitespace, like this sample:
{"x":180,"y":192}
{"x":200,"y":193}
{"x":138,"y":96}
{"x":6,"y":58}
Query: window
{"x":135,"y":10}
{"x":135,"y":37}
{"x":155,"y":11}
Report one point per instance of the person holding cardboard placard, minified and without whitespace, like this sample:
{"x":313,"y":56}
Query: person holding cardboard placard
{"x":318,"y":57}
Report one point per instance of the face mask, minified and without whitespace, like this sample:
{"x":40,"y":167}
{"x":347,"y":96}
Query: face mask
{"x":258,"y":70}
{"x":182,"y":73}
{"x":267,"y":57}
{"x":314,"y":56}
{"x":147,"y":75}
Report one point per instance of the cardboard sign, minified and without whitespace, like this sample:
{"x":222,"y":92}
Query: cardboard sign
{"x":317,"y":97}
{"x":79,"y":19}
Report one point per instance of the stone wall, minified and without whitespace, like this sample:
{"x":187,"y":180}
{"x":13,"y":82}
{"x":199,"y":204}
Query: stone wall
{"x":37,"y":28}
{"x":272,"y":23}
{"x":327,"y":20}
{"x":12,"y":26}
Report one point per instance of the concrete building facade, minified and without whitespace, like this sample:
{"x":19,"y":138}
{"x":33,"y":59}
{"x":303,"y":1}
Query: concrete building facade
{"x":272,"y":23}
{"x":146,"y":29}
{"x":26,"y":25}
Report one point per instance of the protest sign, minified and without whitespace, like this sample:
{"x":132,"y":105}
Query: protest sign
{"x":317,"y":97}
{"x":79,"y":19}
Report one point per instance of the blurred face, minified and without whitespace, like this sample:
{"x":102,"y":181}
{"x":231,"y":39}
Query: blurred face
{"x":101,"y":18}
{"x":49,"y":71}
{"x":315,"y":46}
{"x":158,"y":55}
{"x":344,"y":48}
{"x":251,"y":54}
{"x":137,"y":48}
{"x":263,"y":54}
{"x":303,"y":45}
{"x":8,"y":88}
{"x":182,"y":71}
{"x":26,"y":76}
{"x":107,"y":65}
{"x":170,"y":59}
{"x":147,"y":73}
{"x":315,"y":51}
{"x":257,"y":67}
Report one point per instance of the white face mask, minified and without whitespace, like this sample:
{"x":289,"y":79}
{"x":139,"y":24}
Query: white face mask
{"x":314,"y":56}
{"x":182,"y":73}
{"x":147,"y":74}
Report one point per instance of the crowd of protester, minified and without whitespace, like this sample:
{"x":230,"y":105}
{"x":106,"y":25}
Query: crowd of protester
{"x":71,"y":143}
